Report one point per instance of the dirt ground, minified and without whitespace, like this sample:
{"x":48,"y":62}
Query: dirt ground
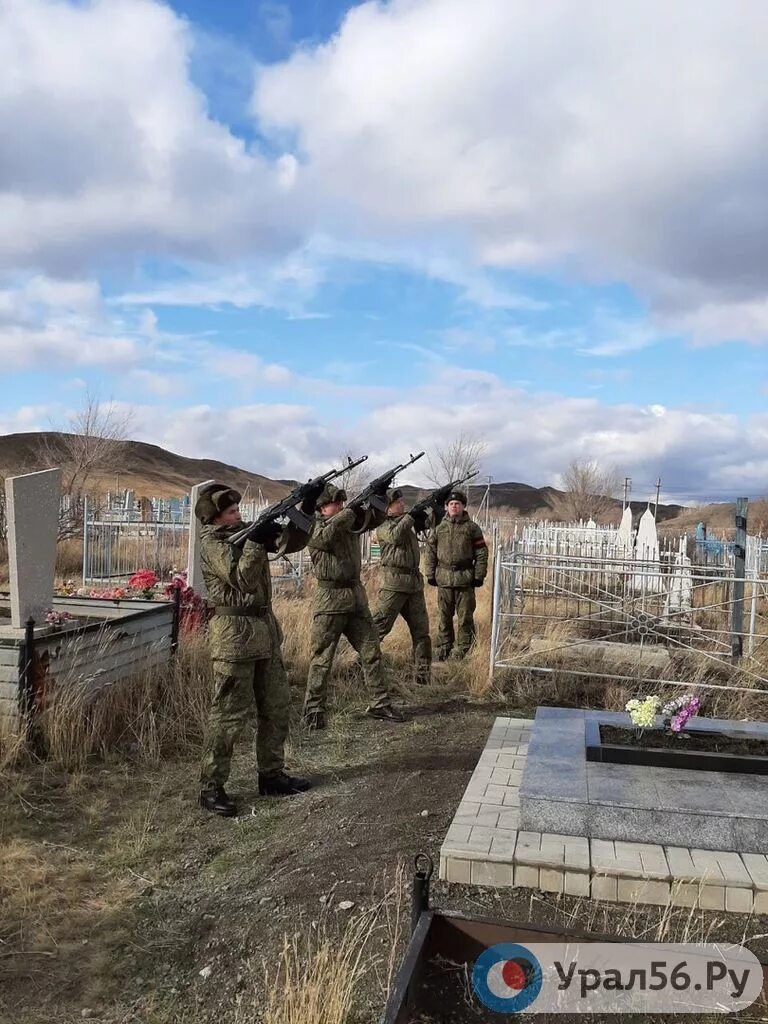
{"x":118,"y":892}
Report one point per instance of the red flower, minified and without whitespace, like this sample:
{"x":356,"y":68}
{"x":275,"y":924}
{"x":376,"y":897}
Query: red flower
{"x":144,"y":579}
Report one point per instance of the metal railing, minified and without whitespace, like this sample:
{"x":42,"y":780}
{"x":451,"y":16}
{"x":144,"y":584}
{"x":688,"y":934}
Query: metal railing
{"x":551,"y":611}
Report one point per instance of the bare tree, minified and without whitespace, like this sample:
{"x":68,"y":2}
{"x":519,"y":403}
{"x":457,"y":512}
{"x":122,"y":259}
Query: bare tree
{"x":589,"y":491}
{"x":92,"y":446}
{"x":353,"y":480}
{"x":457,"y":458}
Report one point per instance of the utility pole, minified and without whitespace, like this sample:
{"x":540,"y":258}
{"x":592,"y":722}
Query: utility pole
{"x":656,"y":507}
{"x":627,"y":489}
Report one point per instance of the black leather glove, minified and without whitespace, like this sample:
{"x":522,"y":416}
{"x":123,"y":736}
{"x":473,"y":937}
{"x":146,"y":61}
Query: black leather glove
{"x":419,"y":520}
{"x":267,"y":534}
{"x":309,"y":503}
{"x":432,"y":581}
{"x":382,"y":488}
{"x":477,"y":583}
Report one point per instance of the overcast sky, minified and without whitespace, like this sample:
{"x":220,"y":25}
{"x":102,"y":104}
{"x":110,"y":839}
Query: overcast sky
{"x":278,"y":231}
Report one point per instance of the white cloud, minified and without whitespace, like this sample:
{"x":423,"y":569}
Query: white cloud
{"x":161,"y":385}
{"x":622,"y":146}
{"x":46,"y":323}
{"x":531,"y":436}
{"x":26,"y":419}
{"x":113,"y":150}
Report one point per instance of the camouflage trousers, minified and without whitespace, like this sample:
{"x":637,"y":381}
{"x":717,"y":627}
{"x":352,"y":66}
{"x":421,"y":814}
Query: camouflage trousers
{"x":461,"y":602}
{"x":327,"y":630}
{"x":413,"y":609}
{"x":239,"y":686}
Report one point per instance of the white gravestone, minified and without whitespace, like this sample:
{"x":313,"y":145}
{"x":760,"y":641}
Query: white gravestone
{"x":32,"y":502}
{"x":680,"y":596}
{"x":648,"y":562}
{"x":625,"y":532}
{"x":194,"y":571}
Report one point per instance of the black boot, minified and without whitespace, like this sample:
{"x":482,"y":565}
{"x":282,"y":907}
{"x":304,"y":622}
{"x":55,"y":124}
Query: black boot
{"x":387,"y":713}
{"x":314,"y":720}
{"x":281,"y":784}
{"x":215,"y":800}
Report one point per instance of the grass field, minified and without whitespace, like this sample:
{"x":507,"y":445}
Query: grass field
{"x":122,"y":902}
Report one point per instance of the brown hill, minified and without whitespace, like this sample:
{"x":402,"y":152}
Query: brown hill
{"x":153,"y":471}
{"x":147,"y":469}
{"x":514,"y":499}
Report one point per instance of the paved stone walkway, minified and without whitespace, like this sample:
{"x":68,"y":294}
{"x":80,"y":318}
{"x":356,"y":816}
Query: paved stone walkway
{"x":484,"y":846}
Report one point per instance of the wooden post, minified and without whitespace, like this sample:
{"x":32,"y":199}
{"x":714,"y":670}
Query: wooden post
{"x":739,"y":571}
{"x":176,"y":620}
{"x":26,"y":679}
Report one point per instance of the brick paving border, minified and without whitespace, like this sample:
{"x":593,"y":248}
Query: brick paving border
{"x":485,"y":846}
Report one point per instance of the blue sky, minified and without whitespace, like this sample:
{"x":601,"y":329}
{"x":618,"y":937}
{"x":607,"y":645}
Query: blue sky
{"x":273,"y":232}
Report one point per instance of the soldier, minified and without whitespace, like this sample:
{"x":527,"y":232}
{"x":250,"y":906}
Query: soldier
{"x":341,"y":606}
{"x":401,"y":590}
{"x":245,"y":640}
{"x":457,"y":562}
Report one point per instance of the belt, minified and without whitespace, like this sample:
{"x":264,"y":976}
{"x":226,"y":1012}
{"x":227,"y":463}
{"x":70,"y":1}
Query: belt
{"x":401,"y":569}
{"x":459,"y":566}
{"x":336,"y":585}
{"x":250,"y":612}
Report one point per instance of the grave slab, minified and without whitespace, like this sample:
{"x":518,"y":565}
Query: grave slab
{"x":563,"y":792}
{"x":476,"y":852}
{"x":32,"y":503}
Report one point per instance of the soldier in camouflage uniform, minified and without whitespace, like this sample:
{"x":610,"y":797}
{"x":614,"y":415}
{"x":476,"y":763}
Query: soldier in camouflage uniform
{"x":245,"y":640}
{"x":341,"y":605}
{"x":456,"y":563}
{"x":401,"y":590}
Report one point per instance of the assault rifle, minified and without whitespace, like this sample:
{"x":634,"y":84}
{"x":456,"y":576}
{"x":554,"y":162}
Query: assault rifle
{"x":372,"y":494}
{"x":289,"y":505}
{"x":437,"y":498}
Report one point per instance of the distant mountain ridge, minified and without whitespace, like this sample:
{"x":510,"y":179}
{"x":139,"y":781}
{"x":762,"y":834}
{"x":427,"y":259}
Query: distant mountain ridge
{"x":148,"y":469}
{"x":152,"y":471}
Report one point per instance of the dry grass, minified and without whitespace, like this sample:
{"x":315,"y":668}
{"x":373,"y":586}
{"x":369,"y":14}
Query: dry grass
{"x":163,"y":712}
{"x":317,"y":977}
{"x":13,"y":743}
{"x":320,"y":969}
{"x":69,"y":558}
{"x":146,"y":717}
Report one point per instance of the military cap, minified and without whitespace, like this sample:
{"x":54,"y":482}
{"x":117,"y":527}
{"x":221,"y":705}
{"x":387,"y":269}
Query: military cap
{"x":329,"y":494}
{"x":393,"y":494}
{"x":214,"y":499}
{"x":458,"y":496}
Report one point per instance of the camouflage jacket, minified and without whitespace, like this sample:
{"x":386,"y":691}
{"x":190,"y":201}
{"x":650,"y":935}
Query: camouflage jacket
{"x":334,"y":547}
{"x":240,"y":578}
{"x":400,"y":555}
{"x":457,"y":554}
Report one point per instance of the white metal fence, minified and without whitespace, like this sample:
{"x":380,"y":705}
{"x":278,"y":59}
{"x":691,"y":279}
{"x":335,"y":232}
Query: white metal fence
{"x":677,"y":622}
{"x":113,"y":550}
{"x":591,"y":541}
